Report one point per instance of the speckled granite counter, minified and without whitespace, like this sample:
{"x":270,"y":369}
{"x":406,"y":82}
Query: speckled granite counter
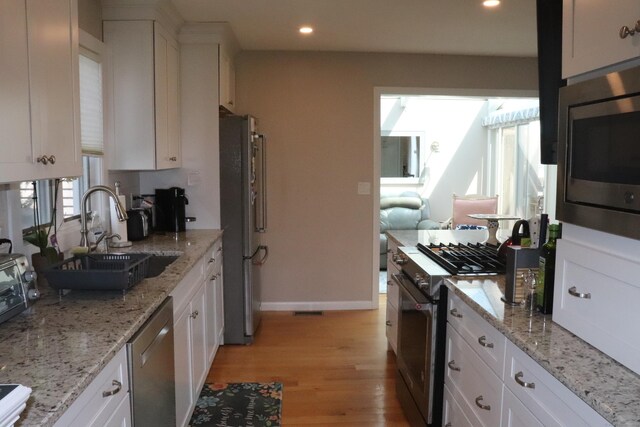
{"x":59,"y":345}
{"x":604,"y":384}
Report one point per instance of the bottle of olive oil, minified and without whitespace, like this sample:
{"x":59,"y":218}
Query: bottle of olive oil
{"x":547,"y":271}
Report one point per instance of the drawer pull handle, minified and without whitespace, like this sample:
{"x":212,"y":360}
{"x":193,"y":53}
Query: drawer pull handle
{"x":447,"y":425}
{"x":453,"y":367}
{"x":390,"y":283}
{"x":389,"y":323}
{"x":480,"y":405}
{"x":518,"y":378}
{"x":454,"y":313}
{"x":212,"y":260}
{"x":118,"y":387}
{"x":483,"y":342}
{"x":572,"y":291}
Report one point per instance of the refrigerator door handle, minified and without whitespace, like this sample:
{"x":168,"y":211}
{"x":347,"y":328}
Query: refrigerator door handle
{"x":261,"y":211}
{"x":264,"y":257}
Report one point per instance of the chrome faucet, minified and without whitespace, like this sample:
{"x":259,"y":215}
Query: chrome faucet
{"x":120,"y":211}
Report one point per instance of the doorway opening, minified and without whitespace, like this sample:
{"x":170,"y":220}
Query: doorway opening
{"x":436,"y":143}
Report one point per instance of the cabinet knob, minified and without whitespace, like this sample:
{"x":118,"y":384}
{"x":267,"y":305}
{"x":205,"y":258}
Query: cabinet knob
{"x":481,"y":405}
{"x":173,"y":159}
{"x":52,"y":159}
{"x":42,"y":159}
{"x":626,"y":31}
{"x":573,"y":292}
{"x":194,"y":314}
{"x":518,"y":378}
{"x":454,"y":313}
{"x":118,"y":387}
{"x":483,"y":342}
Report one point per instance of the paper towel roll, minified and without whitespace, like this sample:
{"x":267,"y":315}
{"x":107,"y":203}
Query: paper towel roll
{"x":118,"y":227}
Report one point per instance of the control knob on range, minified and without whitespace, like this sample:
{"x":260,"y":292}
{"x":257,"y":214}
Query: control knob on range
{"x":421,"y":280}
{"x":400,"y":259}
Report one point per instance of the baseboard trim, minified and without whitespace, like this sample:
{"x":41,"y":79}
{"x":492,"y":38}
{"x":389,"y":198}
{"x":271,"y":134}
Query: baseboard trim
{"x":317,"y":306}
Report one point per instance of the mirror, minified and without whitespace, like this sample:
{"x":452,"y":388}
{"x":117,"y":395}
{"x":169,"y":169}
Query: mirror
{"x":400,"y":156}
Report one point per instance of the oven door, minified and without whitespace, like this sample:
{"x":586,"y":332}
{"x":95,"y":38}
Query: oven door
{"x":416,"y":346}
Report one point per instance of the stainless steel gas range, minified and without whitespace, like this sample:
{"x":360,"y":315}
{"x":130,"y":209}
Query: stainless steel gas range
{"x":422,"y":320}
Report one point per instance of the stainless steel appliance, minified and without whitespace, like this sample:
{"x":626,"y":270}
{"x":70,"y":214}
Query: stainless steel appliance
{"x":422,"y":320}
{"x":170,"y":207}
{"x":151,"y":364}
{"x":17,"y":285}
{"x":598,"y":159}
{"x":138,"y":224}
{"x":243,"y":207}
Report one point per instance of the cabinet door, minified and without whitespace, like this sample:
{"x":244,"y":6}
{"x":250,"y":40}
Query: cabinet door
{"x":39,"y":90}
{"x":132,"y":66}
{"x":121,"y":417}
{"x":166,"y":99}
{"x":15,"y":138}
{"x":227,"y":83}
{"x":183,"y":367}
{"x":211,"y":327}
{"x":220,"y":307}
{"x":515,"y":414}
{"x":591,"y":34}
{"x":53,"y":73}
{"x":199,"y":339}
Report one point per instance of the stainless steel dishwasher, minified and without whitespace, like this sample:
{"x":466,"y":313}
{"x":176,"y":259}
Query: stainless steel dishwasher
{"x":151,"y":370}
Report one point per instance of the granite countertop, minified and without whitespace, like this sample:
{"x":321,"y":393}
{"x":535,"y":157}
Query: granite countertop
{"x":608,"y":387}
{"x":604,"y":384}
{"x":59,"y":345}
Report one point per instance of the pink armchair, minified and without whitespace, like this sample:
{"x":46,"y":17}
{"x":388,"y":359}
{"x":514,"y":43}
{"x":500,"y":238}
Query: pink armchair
{"x":472,"y":204}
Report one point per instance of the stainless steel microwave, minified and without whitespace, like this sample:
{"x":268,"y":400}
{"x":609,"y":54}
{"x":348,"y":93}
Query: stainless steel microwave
{"x":599,"y":153}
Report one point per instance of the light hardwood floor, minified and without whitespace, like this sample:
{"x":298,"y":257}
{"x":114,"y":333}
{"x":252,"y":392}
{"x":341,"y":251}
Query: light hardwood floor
{"x":335,"y":368}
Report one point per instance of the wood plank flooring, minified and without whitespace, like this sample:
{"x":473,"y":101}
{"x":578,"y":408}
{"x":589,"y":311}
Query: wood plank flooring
{"x":335,"y":368}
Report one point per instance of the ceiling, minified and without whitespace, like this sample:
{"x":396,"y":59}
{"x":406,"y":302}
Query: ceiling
{"x":409,"y":26}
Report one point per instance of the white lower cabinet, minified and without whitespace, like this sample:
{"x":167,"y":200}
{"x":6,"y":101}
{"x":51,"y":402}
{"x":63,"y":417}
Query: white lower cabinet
{"x":106,"y":401}
{"x":521,"y":394}
{"x":196,"y":308}
{"x":393,"y":297}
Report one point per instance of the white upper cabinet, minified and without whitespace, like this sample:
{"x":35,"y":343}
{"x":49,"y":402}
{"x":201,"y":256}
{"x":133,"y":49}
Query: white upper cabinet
{"x":39,"y":92}
{"x":591,"y":34}
{"x":227,"y":84}
{"x":145,"y":67}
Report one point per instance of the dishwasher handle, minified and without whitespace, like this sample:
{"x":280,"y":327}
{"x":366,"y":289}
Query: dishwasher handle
{"x":146,"y":354}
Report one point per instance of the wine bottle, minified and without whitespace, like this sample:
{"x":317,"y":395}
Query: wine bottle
{"x":547,"y":271}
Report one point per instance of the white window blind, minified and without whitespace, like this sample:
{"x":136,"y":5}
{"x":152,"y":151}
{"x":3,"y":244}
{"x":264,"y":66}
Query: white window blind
{"x":91,"y":106}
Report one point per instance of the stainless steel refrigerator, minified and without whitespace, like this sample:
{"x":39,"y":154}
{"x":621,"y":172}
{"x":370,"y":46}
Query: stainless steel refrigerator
{"x":243,"y":209}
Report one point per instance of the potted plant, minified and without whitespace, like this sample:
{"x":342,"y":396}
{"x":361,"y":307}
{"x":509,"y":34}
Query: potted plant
{"x":41,"y":235}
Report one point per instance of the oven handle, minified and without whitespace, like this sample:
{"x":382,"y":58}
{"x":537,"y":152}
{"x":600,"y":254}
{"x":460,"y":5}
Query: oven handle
{"x":426,"y":305}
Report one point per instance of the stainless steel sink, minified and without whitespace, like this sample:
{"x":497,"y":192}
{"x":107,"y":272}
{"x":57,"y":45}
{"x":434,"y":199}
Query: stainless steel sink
{"x":158,"y":263}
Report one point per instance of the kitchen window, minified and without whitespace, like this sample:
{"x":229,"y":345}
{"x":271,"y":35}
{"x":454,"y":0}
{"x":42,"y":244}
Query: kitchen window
{"x":91,"y":131}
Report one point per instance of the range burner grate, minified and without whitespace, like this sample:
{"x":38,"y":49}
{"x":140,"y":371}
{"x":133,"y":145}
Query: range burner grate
{"x":465,"y":259}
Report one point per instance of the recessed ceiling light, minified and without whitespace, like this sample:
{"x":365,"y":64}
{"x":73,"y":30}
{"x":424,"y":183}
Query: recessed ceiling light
{"x":491,"y":3}
{"x":306,"y":30}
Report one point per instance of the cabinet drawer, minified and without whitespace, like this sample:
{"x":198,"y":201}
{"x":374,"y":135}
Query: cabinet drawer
{"x":452,"y":414}
{"x":92,"y":408}
{"x":589,"y":281}
{"x":486,"y":340}
{"x":187,"y":287}
{"x":392,"y":327}
{"x":547,"y":399}
{"x":393,"y":292}
{"x":473,"y":384}
{"x":213,"y":259}
{"x":515,"y":414}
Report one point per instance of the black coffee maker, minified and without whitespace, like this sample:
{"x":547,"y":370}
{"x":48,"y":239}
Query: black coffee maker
{"x":170,"y":209}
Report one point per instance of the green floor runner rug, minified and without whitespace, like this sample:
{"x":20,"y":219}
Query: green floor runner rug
{"x":239,"y":405}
